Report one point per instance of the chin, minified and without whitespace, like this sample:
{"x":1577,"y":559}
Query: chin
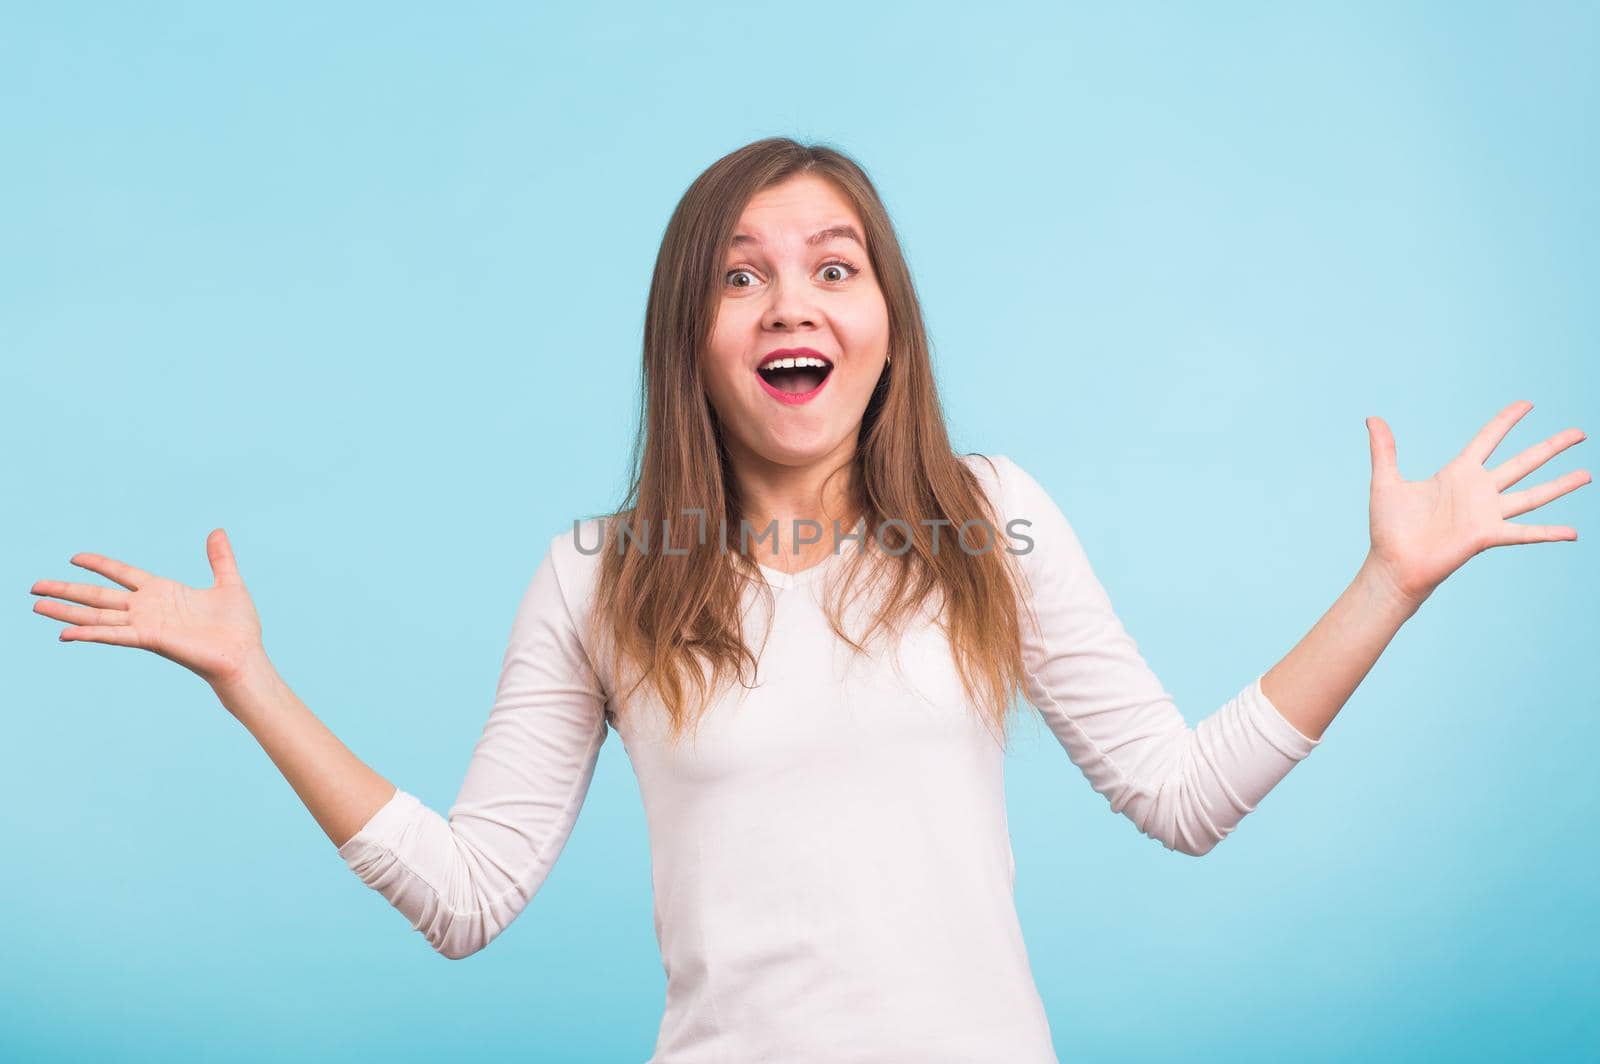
{"x":794,"y":452}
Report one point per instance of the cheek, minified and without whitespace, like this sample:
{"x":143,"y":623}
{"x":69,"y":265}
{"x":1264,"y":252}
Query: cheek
{"x":864,"y":327}
{"x":724,"y":362}
{"x":731,"y":331}
{"x":717,"y":375}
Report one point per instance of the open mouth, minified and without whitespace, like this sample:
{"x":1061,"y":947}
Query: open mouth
{"x":795,"y":375}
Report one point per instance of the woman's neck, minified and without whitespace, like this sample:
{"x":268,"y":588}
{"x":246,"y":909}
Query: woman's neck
{"x":786,"y":503}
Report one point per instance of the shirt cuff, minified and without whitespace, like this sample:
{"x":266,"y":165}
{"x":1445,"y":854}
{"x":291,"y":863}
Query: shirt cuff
{"x":1273,"y":725}
{"x":383,"y":828}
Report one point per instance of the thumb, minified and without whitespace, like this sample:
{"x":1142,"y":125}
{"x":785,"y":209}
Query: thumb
{"x":220,"y":552}
{"x":1385,"y":466}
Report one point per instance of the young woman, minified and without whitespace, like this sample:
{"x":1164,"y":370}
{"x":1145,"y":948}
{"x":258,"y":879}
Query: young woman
{"x":807,"y":623}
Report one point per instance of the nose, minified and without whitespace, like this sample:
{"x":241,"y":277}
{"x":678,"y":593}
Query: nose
{"x":789,"y":307}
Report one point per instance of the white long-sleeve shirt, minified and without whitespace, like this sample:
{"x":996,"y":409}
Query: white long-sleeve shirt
{"x":831,"y":866}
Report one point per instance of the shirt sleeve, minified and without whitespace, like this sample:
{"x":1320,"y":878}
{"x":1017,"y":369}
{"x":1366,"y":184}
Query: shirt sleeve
{"x":460,"y":880}
{"x":1186,"y":787}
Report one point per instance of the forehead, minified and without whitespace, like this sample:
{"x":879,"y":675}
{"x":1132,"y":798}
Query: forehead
{"x":794,"y":209}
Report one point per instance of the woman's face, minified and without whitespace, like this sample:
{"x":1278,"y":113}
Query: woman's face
{"x":796,"y":282}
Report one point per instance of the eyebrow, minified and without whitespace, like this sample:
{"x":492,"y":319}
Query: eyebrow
{"x":821,"y":236}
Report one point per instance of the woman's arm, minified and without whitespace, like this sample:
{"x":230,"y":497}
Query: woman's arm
{"x":1315,"y":679}
{"x":1190,"y":787}
{"x":340,"y":790}
{"x":1186,"y":787}
{"x":215,"y":633}
{"x":1422,"y":531}
{"x":460,"y":879}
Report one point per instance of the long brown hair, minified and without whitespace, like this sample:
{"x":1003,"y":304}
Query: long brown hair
{"x":673,"y":617}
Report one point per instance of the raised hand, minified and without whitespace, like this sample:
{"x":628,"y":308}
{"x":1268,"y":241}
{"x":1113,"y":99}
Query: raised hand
{"x":1424,"y":530}
{"x":212,"y":631}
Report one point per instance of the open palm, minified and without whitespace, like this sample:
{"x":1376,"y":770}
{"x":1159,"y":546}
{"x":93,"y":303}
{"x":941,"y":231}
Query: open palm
{"x":1424,"y":530}
{"x":213,"y":631}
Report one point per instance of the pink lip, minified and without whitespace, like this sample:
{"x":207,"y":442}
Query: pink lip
{"x":794,"y":398}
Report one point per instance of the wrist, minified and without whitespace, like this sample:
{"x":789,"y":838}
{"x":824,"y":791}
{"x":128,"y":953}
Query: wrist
{"x":254,"y":673}
{"x":1379,"y":588}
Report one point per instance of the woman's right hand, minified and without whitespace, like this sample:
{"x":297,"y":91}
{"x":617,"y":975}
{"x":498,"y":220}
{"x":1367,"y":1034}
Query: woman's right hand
{"x":211,"y":631}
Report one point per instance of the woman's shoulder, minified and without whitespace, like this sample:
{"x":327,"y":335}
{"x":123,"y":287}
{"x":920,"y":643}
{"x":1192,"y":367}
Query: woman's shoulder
{"x":567,"y":570}
{"x":575,"y":551}
{"x":1009,"y":484}
{"x":997,"y":474}
{"x":1028,"y":513}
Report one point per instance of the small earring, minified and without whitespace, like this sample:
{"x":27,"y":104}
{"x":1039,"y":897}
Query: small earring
{"x":887,"y":359}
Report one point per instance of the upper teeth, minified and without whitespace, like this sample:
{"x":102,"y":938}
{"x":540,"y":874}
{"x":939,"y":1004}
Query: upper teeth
{"x":792,"y":363}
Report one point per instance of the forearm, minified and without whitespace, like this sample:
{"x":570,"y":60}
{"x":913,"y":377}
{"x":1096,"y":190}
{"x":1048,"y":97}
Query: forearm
{"x":339,"y":789}
{"x":1315,"y":679}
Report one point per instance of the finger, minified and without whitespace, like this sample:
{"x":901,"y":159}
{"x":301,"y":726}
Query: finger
{"x":80,"y":614}
{"x":1512,"y":470}
{"x":1520,"y":502}
{"x":220,"y":551}
{"x":129,"y":576}
{"x":111,"y":598}
{"x":1488,"y":438}
{"x":1385,"y":466}
{"x":122,"y":636}
{"x":1515,"y":533}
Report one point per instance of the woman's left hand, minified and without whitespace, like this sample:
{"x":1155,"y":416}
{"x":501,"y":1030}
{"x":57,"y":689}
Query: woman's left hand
{"x":1424,"y":530}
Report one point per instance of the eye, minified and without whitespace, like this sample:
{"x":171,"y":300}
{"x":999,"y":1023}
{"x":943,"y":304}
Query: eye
{"x":846,"y":268}
{"x":843,"y":271}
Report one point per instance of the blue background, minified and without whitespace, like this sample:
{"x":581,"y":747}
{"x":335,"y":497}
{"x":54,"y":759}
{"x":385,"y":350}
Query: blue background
{"x":365,"y":287}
